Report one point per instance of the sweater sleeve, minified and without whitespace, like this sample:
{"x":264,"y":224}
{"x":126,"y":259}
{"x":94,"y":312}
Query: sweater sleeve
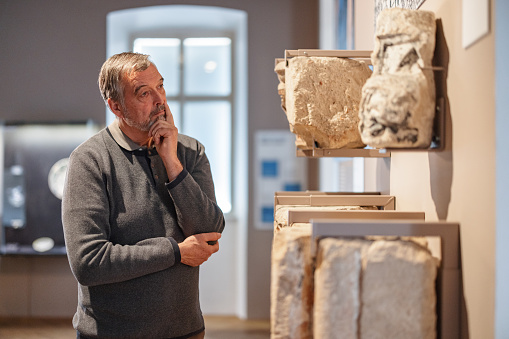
{"x":193,"y":195}
{"x":93,"y":258}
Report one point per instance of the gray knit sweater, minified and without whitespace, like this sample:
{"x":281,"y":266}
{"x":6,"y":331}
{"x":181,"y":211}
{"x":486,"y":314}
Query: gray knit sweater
{"x":122,"y":222}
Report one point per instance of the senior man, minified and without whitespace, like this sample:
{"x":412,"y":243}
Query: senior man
{"x":139,"y":214}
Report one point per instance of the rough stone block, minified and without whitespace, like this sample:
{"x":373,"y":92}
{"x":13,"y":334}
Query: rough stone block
{"x":337,"y":304}
{"x":398,"y":100}
{"x":322,"y":96}
{"x":367,"y":288}
{"x":398,"y":292}
{"x":291,"y":283}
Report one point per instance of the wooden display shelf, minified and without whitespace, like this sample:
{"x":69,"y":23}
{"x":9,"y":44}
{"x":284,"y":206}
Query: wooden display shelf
{"x":343,"y":153}
{"x":305,"y":216}
{"x":313,"y":192}
{"x":383,"y":202}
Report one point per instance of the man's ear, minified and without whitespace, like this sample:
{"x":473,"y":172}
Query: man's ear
{"x":116,"y":108}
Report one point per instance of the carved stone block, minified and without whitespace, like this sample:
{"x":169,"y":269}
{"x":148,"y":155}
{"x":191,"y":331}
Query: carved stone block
{"x":322,"y":96}
{"x":398,"y":101}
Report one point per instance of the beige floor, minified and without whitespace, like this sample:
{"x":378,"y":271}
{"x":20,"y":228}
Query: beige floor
{"x":216,"y":328}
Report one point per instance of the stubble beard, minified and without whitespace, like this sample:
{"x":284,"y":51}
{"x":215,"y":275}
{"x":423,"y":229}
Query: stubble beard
{"x":145,"y":125}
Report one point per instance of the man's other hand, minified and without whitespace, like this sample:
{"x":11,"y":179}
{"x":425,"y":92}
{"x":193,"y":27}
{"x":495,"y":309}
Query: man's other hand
{"x":196,"y":249}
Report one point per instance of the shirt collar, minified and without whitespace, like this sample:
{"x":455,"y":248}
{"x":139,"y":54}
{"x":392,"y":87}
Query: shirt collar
{"x":122,"y":139}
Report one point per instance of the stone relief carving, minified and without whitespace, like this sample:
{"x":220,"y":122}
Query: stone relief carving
{"x":398,"y":100}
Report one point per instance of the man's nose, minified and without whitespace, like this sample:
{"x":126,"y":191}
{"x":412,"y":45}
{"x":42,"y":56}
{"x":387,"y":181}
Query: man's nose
{"x":159,"y":97}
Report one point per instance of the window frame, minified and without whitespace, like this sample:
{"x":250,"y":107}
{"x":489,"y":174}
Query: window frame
{"x":181,"y":98}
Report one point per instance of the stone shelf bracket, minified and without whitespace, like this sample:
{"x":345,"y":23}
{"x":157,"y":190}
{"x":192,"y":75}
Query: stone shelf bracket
{"x":449,"y":273}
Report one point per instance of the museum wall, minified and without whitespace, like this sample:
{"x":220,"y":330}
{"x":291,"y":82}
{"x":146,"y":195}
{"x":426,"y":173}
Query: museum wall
{"x":457,"y":184}
{"x":51,"y":54}
{"x":501,"y":27}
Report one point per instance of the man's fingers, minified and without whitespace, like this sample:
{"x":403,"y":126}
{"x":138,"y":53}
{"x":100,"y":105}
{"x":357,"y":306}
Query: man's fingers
{"x":156,"y":127}
{"x":197,"y":248}
{"x":161,"y":129}
{"x":212,"y":236}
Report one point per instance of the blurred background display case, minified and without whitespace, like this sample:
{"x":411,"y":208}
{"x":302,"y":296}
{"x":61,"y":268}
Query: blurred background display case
{"x":34,"y":160}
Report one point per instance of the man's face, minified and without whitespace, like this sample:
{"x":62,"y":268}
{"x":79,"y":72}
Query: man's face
{"x":144,"y":98}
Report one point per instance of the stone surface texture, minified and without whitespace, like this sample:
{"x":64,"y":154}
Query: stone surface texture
{"x":398,"y":294}
{"x":322,"y":96}
{"x":363,"y":288}
{"x":337,"y":288}
{"x":291,"y":283}
{"x":398,"y":100}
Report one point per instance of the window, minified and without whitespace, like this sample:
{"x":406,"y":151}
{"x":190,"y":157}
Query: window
{"x":173,"y":24}
{"x":337,"y":32}
{"x":198,"y":79}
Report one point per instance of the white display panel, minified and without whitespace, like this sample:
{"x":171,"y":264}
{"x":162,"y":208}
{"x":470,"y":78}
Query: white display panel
{"x":277,"y":168}
{"x":475,"y":21}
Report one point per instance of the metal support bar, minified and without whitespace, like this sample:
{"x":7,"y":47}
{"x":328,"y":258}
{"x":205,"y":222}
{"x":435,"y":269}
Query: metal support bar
{"x":386,"y":202}
{"x":304,"y":216}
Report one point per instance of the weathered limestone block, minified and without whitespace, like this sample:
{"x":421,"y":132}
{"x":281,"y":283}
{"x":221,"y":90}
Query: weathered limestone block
{"x":291,"y":283}
{"x":337,"y":304}
{"x":398,"y":101}
{"x":281,"y":212}
{"x":374,"y":287}
{"x":322,"y":96}
{"x":398,"y":292}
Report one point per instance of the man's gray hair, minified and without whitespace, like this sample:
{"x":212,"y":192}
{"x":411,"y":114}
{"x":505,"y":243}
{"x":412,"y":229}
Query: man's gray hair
{"x":115,"y":69}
